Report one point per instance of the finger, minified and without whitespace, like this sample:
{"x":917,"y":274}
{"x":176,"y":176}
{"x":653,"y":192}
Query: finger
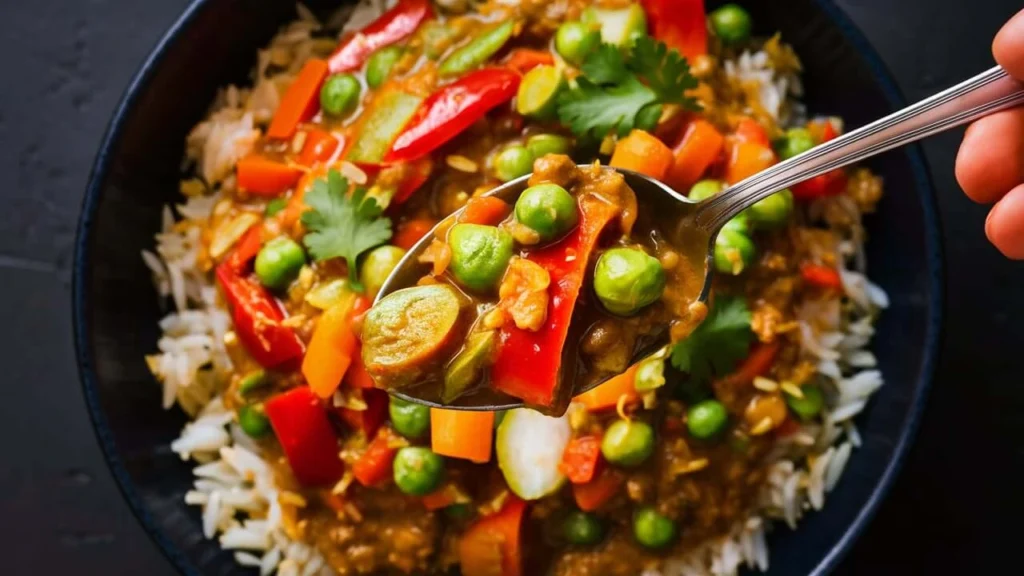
{"x":1008,"y":46}
{"x":1005,"y":224}
{"x":991,"y":157}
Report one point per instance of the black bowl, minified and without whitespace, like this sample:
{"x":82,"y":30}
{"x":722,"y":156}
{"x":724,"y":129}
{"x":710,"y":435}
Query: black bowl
{"x":215,"y":42}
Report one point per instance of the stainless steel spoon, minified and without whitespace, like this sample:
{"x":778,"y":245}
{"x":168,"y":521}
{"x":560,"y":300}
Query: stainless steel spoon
{"x":697,"y":223}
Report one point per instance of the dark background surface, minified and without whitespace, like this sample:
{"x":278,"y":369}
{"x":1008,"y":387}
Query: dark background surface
{"x":955,"y":508}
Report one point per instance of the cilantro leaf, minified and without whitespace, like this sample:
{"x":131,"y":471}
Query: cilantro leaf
{"x":614,"y":87}
{"x":341,"y":225}
{"x":666,"y":71}
{"x":722,"y":340}
{"x":591,"y":110}
{"x":606,"y":65}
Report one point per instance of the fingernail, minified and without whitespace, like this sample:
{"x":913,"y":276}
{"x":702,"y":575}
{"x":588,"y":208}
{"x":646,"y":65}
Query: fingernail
{"x":988,"y":223}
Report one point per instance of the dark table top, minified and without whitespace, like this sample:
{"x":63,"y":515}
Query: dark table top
{"x":954,"y":508}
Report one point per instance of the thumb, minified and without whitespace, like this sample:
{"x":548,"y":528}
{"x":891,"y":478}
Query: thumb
{"x":1008,"y":47}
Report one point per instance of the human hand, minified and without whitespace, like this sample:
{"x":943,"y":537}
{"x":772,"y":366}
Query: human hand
{"x":990,"y":163}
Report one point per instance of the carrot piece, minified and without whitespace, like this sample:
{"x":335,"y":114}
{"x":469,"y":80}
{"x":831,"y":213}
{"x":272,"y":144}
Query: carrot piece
{"x":300,"y":102}
{"x":748,"y":130}
{"x":597,"y":492}
{"x":332,"y":348}
{"x":374,"y":465}
{"x":757,"y":363}
{"x":462,"y":434}
{"x":492,"y":545}
{"x":443,"y":497}
{"x":607,"y":394}
{"x":697,"y":149}
{"x":747,"y":159}
{"x":263,"y":176}
{"x":523,"y":60}
{"x":321,"y":146}
{"x":581,"y":459}
{"x":821,"y":276}
{"x":643,"y":153}
{"x":410,"y":232}
{"x":416,"y":176}
{"x":486,"y":210}
{"x":357,"y":376}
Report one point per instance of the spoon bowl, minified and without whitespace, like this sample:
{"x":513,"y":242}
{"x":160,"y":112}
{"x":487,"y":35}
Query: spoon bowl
{"x":696,"y":246}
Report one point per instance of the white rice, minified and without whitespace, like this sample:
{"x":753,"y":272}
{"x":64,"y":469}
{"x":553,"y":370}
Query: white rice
{"x":234,"y":486}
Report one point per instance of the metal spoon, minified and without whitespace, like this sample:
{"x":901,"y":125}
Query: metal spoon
{"x":697,"y":223}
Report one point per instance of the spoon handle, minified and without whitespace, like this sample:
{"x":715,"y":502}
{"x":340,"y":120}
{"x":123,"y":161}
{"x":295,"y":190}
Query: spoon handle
{"x":979,"y":96}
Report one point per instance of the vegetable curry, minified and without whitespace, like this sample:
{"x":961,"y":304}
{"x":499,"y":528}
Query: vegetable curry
{"x":386,"y":133}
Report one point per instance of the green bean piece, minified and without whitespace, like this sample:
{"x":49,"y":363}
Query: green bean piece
{"x":477,"y":51}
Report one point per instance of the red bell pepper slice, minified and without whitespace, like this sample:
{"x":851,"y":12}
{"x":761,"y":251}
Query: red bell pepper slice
{"x":451,"y":110}
{"x":681,"y":24}
{"x":368,"y":421}
{"x":392,"y":26}
{"x":821,"y":276}
{"x":374,"y":465}
{"x":416,"y":175}
{"x":757,"y":363}
{"x":301,"y":425}
{"x":528,"y":364}
{"x":246,"y":250}
{"x":581,"y":459}
{"x":257,"y":317}
{"x":829,"y":183}
{"x":492,"y":546}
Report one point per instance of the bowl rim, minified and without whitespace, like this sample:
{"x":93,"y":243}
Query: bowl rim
{"x":140,"y":82}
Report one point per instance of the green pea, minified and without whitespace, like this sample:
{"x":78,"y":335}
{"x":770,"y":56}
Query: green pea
{"x":574,"y":40}
{"x":253,"y":420}
{"x":377,"y":266}
{"x":651,"y":529}
{"x":705,"y":189}
{"x":739,"y":223}
{"x":706,"y":419}
{"x":275,"y":206}
{"x":279,"y":262}
{"x":627,"y":279}
{"x":339,"y":95}
{"x":734,"y":252}
{"x":538,"y":92}
{"x":582,"y":529}
{"x":543,"y":144}
{"x":408,"y":418}
{"x":417,"y":470}
{"x":628,"y":443}
{"x":772,"y":211}
{"x":810,"y":405}
{"x":378,"y":66}
{"x":547,"y":209}
{"x":478,"y":50}
{"x":513,"y":162}
{"x":731,"y":23}
{"x":480,"y":255}
{"x":252,"y":381}
{"x":648,"y":116}
{"x":797,"y":141}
